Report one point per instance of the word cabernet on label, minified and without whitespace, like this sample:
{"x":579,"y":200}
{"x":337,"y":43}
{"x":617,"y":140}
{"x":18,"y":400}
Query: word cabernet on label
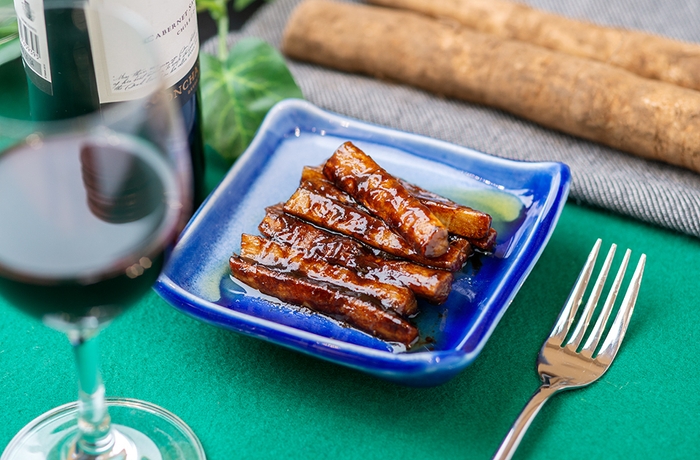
{"x":181,"y":24}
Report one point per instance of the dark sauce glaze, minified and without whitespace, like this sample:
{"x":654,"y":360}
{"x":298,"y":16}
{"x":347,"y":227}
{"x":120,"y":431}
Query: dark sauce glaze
{"x":356,"y":309}
{"x":429,"y":283}
{"x":354,"y":172}
{"x":284,"y":258}
{"x":323,"y":211}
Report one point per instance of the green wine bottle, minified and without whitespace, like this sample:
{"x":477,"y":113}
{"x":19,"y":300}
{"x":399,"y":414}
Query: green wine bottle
{"x":65,"y":58}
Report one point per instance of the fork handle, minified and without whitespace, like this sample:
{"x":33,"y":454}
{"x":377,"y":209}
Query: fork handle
{"x":522,"y":423}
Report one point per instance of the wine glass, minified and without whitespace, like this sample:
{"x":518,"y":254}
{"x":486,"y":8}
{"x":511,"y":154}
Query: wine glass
{"x":90,"y":205}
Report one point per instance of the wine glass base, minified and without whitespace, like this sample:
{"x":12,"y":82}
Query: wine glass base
{"x":146,"y":431}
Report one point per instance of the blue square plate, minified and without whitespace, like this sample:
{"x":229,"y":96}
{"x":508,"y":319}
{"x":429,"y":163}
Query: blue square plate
{"x":524,"y":199}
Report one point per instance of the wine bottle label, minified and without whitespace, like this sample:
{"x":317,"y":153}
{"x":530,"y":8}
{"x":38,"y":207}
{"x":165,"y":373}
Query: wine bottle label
{"x":122,"y":74}
{"x":32,"y":38}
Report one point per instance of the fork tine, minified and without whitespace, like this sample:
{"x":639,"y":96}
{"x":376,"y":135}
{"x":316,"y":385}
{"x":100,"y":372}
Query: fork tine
{"x":592,"y":302}
{"x":597,"y":331}
{"x":561,"y":327}
{"x":617,"y":331}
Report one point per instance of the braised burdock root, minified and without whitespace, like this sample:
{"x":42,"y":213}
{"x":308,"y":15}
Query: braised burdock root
{"x":356,"y":309}
{"x":326,"y":212}
{"x":337,"y":249}
{"x":459,"y":220}
{"x":281,"y":256}
{"x":355,"y":172}
{"x":428,"y":283}
{"x":331,"y":250}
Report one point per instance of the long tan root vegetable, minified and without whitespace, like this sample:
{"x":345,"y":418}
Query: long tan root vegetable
{"x":650,"y":56}
{"x":579,"y":96}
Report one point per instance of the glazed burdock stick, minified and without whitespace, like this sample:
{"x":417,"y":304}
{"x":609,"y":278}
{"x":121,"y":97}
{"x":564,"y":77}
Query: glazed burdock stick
{"x":355,"y":309}
{"x":485,"y":244}
{"x":337,"y":249}
{"x":312,"y":178}
{"x":458,"y":219}
{"x":430,"y":284}
{"x":328,"y":213}
{"x":647,"y":55}
{"x":579,"y":96}
{"x":427,"y":283}
{"x":356,"y":173}
{"x":322,"y":189}
{"x":285,"y":258}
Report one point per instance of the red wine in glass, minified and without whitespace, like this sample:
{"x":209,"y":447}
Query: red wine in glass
{"x":84,"y":225}
{"x":93,"y":192}
{"x":85,"y":222}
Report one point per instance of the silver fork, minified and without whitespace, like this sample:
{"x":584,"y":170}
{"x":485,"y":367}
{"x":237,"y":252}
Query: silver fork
{"x":560,"y":365}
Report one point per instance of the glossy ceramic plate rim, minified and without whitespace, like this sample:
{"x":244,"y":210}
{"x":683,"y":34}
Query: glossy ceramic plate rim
{"x":406,"y":367}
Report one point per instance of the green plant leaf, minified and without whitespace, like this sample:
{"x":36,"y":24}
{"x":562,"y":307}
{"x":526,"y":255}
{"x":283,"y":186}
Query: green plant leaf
{"x":238,"y":93}
{"x":216,"y":8}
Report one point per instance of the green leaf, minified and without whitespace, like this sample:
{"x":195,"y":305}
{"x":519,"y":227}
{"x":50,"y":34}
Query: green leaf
{"x":216,"y":8}
{"x":238,"y":93}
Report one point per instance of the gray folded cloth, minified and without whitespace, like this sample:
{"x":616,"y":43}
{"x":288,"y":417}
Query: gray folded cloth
{"x":650,"y":191}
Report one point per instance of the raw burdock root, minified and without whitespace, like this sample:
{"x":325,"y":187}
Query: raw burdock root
{"x":579,"y":96}
{"x":644,"y":54}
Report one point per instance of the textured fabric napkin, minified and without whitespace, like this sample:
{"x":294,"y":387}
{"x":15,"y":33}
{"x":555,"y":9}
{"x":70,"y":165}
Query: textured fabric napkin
{"x":650,"y":191}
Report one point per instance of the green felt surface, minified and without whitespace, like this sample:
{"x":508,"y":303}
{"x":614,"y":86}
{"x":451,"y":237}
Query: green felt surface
{"x":249,"y":399}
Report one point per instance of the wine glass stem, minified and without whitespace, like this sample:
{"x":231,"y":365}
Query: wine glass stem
{"x":95,"y":436}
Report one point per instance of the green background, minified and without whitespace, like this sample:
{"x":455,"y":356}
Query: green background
{"x":248,"y":399}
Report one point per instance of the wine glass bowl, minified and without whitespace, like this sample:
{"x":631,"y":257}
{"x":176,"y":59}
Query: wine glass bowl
{"x":87,"y":217}
{"x":92,"y":198}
